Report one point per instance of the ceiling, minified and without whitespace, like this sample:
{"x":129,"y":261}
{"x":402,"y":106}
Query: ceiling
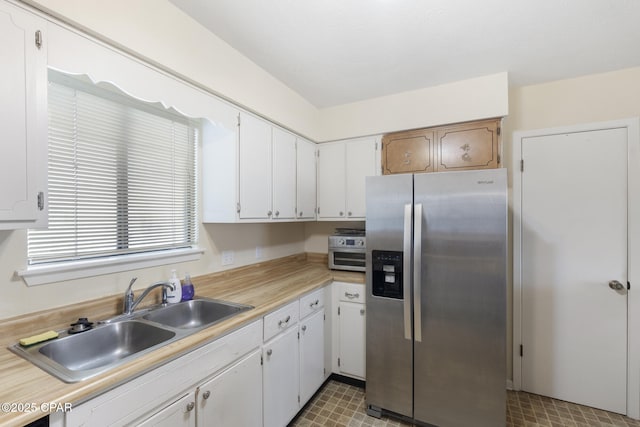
{"x":334,"y":52}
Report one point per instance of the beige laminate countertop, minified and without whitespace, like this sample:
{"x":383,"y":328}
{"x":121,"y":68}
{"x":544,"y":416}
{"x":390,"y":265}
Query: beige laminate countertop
{"x":265,"y":286}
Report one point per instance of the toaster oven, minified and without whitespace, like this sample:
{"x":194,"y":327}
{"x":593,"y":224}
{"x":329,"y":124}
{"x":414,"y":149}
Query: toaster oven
{"x":347,"y":252}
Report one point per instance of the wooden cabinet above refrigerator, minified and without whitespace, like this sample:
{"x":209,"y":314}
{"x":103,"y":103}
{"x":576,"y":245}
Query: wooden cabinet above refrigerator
{"x":462,"y":146}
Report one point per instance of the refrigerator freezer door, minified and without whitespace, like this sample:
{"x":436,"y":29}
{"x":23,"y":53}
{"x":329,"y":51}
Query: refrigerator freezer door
{"x":389,"y":345}
{"x":460,"y":363}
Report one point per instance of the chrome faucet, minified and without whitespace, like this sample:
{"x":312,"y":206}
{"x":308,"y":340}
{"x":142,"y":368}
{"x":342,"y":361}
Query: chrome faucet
{"x":130,"y":304}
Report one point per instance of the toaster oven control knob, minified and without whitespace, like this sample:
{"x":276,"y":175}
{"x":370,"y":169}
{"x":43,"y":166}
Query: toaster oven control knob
{"x":341,"y":242}
{"x":360,"y":243}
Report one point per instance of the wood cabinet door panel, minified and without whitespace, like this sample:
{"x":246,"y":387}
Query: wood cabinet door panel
{"x":408,"y":152}
{"x":468,"y":146}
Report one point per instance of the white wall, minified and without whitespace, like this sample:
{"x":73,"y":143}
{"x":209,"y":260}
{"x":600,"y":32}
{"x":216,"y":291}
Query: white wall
{"x":472,"y":99}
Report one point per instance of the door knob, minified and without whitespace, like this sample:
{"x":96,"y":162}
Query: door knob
{"x":615,"y":285}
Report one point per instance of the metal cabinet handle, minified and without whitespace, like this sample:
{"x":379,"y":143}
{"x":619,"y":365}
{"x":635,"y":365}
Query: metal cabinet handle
{"x":285,"y":321}
{"x":300,"y":214}
{"x":315,"y":303}
{"x":206,"y":395}
{"x":304,"y":328}
{"x":269,"y":213}
{"x":351,"y":296}
{"x":362,"y":311}
{"x":341,"y":213}
{"x":269,"y":352}
{"x":190,"y":406}
{"x":277,"y":213}
{"x":615,"y":285}
{"x":349,"y":213}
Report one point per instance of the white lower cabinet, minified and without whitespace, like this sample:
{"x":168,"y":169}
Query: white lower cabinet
{"x":294,"y":357}
{"x":233,"y":398}
{"x":351,"y":322}
{"x":180,"y":413}
{"x":280,"y":376}
{"x":154,"y":397}
{"x":312,"y":371}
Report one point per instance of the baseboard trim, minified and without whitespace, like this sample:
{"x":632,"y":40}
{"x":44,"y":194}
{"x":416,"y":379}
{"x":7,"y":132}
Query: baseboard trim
{"x":347,"y":380}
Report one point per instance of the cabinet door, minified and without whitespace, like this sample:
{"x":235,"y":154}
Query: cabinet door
{"x":306,"y":179}
{"x":468,"y":146}
{"x":284,"y":174}
{"x":361,"y":162}
{"x":351,"y":341}
{"x":311,"y":355}
{"x":408,"y":152}
{"x":255,"y":168}
{"x":180,"y":413}
{"x":331,"y":180}
{"x":233,"y":398}
{"x":23,"y":119}
{"x":280,"y":378}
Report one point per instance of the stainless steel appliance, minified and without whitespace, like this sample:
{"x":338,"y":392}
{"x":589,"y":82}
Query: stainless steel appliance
{"x":436,"y":297}
{"x":347,"y":249}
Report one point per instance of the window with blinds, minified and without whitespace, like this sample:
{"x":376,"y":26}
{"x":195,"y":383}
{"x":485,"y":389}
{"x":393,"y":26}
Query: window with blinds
{"x":122,"y":176}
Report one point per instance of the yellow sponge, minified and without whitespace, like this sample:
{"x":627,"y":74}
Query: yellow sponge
{"x":49,"y":335}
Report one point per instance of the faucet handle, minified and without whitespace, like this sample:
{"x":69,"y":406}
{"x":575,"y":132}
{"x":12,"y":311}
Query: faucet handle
{"x":128,"y":297}
{"x":129,"y":291}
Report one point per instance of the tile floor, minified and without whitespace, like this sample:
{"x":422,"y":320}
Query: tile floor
{"x":339,"y":404}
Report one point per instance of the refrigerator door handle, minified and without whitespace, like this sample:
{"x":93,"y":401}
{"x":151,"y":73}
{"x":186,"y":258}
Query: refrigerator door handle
{"x":417,"y":271}
{"x":406,"y":285}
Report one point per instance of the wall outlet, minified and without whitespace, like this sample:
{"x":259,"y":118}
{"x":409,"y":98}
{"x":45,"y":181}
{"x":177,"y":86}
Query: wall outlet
{"x":227,"y":257}
{"x":258,"y":251}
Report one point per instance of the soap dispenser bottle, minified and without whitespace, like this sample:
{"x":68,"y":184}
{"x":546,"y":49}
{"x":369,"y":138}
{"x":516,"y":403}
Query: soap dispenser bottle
{"x":175,"y":295}
{"x":187,"y":288}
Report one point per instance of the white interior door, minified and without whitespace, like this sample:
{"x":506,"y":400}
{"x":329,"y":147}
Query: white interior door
{"x":574,"y":242}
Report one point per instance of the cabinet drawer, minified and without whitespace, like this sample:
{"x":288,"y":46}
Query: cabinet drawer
{"x":351,"y":292}
{"x":311,"y":303}
{"x":280,"y":320}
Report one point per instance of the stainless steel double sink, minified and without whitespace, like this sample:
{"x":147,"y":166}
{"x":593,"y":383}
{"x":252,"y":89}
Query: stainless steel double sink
{"x":113,"y":342}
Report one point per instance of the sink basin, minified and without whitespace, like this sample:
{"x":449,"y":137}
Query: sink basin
{"x":105,"y":345}
{"x":115,"y":341}
{"x":77,"y":357}
{"x":198,"y":313}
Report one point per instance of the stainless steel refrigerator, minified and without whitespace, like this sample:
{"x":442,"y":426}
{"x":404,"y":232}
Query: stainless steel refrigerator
{"x":436,"y":297}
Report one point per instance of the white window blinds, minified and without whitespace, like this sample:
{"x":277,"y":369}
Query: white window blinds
{"x":121,"y":176}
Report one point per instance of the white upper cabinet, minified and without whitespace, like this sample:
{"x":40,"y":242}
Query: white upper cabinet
{"x":253,"y":171}
{"x":255,"y":168}
{"x":331,"y":180}
{"x":284,"y":175}
{"x":361,"y":162}
{"x":306,"y":179}
{"x":342,"y":168}
{"x":23,"y":119}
